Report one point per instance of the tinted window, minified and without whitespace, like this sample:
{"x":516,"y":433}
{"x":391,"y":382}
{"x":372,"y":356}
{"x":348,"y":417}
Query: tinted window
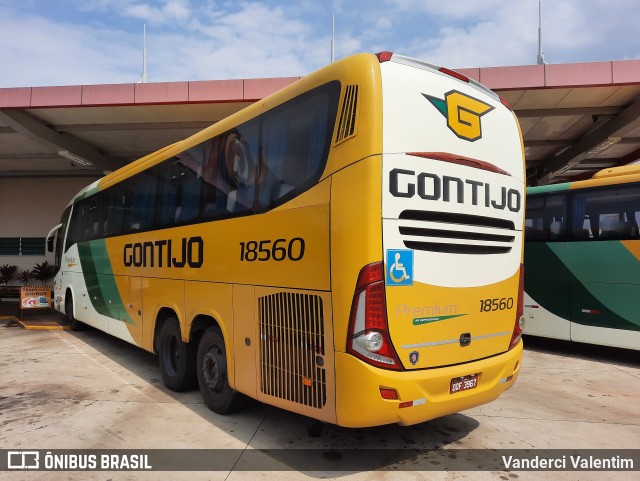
{"x":608,"y":213}
{"x":143,"y":188}
{"x":295,"y":144}
{"x":250,"y":168}
{"x":232,"y":171}
{"x":75,"y":225}
{"x":546,"y":218}
{"x":60,"y":235}
{"x":92,"y":225}
{"x":117,"y":208}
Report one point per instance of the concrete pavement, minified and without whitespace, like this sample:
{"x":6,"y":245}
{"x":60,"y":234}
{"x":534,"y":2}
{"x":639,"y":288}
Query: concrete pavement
{"x":87,"y":390}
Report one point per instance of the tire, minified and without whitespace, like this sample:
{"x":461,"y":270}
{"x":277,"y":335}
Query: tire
{"x":212,"y":374}
{"x":177,"y":359}
{"x":74,"y":324}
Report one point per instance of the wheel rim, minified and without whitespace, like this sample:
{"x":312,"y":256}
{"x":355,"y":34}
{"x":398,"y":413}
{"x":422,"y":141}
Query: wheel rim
{"x":214,"y":369}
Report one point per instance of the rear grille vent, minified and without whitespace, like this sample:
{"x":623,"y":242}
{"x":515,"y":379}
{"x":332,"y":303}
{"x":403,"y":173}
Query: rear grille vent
{"x":455,"y":233}
{"x":291,"y":339}
{"x":348,"y":114}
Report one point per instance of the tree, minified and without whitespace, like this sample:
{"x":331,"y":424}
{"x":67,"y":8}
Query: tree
{"x":43,"y":272}
{"x":24,"y":276}
{"x":6,"y":273}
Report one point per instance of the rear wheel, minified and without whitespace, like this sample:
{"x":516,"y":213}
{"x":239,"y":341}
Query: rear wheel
{"x":213,"y":375}
{"x":176,"y":358}
{"x":74,"y":324}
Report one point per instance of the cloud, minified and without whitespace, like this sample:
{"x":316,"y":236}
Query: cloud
{"x":75,"y":41}
{"x":496,"y":32}
{"x":171,"y":11}
{"x":42,"y":52}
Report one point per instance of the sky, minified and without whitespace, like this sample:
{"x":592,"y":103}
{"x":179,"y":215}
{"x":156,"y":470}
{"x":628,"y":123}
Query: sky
{"x":80,"y":42}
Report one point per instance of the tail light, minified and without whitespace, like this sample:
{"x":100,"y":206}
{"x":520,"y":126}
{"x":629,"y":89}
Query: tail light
{"x":384,"y":56}
{"x":368,"y":337}
{"x":460,"y":160}
{"x":454,"y":74}
{"x":519,"y":324}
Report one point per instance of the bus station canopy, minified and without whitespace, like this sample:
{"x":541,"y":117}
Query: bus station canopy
{"x":576,"y":119}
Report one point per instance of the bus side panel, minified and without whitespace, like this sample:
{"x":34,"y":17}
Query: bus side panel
{"x":158,"y":294}
{"x":296,"y":353}
{"x":213,"y":300}
{"x":83,"y":307}
{"x":73,"y":278}
{"x":604,"y":292}
{"x":539,"y":321}
{"x":547,"y":302}
{"x":355,"y":209}
{"x":246,"y":339}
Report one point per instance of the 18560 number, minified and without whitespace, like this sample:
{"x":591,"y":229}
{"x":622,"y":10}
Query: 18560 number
{"x":495,"y":304}
{"x":277,"y":250}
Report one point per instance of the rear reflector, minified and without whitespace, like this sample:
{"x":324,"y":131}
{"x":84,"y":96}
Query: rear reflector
{"x":388,"y":393}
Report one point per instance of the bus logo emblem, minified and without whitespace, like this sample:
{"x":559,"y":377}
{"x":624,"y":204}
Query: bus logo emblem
{"x":462,"y":113}
{"x":413,"y":357}
{"x":399,"y":267}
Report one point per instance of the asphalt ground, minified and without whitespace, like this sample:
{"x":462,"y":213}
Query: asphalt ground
{"x":87,"y":392}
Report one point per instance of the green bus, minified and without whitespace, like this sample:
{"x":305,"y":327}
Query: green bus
{"x":582,"y":259}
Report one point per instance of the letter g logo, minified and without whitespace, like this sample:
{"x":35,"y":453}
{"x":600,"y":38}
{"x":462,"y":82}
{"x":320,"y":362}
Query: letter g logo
{"x":462,"y":113}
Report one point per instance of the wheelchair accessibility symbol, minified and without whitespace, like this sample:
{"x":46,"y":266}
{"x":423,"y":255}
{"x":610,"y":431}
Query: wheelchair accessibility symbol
{"x":399,"y":267}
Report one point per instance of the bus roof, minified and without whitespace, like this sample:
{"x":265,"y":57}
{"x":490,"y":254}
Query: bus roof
{"x":610,"y":176}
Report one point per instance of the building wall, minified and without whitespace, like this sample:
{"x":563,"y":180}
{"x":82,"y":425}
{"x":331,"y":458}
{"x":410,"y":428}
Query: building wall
{"x":30,"y":207}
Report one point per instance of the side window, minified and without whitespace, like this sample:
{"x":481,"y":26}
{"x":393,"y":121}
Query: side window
{"x":166,"y":194}
{"x":217,"y":182}
{"x":116,"y":210}
{"x":546,"y":218}
{"x":295,"y":144}
{"x":143,"y":189}
{"x":186,"y":180}
{"x":60,"y":236}
{"x":75,"y":225}
{"x":93,"y":227}
{"x":608,"y":213}
{"x":240,"y":170}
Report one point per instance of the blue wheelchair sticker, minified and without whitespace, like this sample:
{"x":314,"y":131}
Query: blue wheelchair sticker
{"x":399,"y":267}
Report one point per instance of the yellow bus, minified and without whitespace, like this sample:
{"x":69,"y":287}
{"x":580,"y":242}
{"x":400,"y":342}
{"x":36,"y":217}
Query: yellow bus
{"x":348,"y":248}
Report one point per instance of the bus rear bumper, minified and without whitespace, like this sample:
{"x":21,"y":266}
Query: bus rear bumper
{"x":423,"y":394}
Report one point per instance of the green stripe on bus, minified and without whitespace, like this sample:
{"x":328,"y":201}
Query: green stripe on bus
{"x":581,"y":283}
{"x":548,"y":189}
{"x":86,"y":194}
{"x":100,"y":281}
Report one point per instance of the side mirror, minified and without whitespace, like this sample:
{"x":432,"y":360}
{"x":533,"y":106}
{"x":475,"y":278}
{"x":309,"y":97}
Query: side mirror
{"x":50,"y":244}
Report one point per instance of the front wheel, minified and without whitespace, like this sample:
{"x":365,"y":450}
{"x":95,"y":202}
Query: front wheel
{"x":213,"y":376}
{"x":74,"y":324}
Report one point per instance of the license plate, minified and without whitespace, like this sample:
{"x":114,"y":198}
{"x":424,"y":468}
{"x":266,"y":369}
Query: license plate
{"x":463,"y":383}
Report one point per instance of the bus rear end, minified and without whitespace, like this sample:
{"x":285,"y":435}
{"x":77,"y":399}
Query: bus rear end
{"x":435,"y":321}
